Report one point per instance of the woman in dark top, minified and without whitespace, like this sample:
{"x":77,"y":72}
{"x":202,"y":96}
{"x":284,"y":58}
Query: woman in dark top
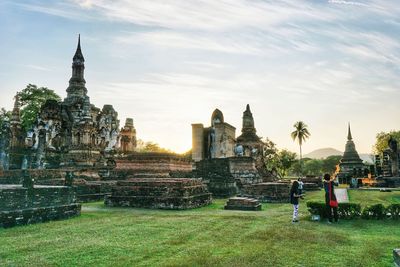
{"x":294,"y":199}
{"x":330,"y":198}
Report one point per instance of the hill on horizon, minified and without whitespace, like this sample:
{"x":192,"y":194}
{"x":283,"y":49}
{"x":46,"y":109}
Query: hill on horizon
{"x":323,"y":153}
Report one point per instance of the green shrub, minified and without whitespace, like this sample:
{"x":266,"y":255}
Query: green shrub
{"x":393,"y":211}
{"x":317,"y":208}
{"x":376,"y":211}
{"x":349,"y":210}
{"x":345,"y":210}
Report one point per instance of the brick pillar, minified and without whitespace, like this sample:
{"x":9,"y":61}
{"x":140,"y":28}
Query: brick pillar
{"x":197,"y":142}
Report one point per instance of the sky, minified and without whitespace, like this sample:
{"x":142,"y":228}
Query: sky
{"x":168,"y":64}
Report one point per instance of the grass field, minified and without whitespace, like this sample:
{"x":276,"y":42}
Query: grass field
{"x":208,"y":236}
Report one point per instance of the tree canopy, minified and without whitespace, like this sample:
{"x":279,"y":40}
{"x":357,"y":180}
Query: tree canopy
{"x":4,"y":114}
{"x":316,"y":167}
{"x":279,"y":160}
{"x":31,"y":99}
{"x":150,"y":147}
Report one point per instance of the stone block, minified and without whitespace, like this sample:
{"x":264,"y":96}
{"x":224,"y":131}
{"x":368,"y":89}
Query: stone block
{"x":243,"y":203}
{"x":20,"y":205}
{"x":273,"y":192}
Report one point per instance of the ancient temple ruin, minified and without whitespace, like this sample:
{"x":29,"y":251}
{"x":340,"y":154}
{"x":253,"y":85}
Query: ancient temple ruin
{"x":128,"y":137}
{"x":72,"y":132}
{"x":12,"y":146}
{"x":224,"y":162}
{"x":351,"y":165}
{"x":251,"y":142}
{"x":216,"y":141}
{"x":387,"y":165}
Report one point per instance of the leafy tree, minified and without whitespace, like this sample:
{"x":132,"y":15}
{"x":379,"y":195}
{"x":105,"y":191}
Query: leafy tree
{"x":285,"y":160}
{"x":382,"y":139}
{"x":329,"y":164}
{"x":313,"y":167}
{"x":4,"y":114}
{"x":295,"y":169}
{"x":31,"y":99}
{"x":300,"y":133}
{"x":270,"y":154}
{"x":150,"y":147}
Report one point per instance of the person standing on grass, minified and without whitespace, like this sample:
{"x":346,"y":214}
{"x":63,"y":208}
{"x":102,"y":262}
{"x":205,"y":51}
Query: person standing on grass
{"x":330,"y":198}
{"x":294,"y":199}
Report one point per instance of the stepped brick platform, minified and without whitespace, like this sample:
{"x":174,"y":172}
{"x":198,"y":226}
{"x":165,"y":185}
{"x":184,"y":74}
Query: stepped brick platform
{"x":159,"y":193}
{"x":396,"y":257}
{"x":243,"y":203}
{"x":216,"y":174}
{"x":273,"y":192}
{"x":20,"y":205}
{"x":311,"y":187}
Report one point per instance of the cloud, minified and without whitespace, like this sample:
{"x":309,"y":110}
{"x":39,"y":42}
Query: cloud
{"x":36,"y":67}
{"x":352,"y":3}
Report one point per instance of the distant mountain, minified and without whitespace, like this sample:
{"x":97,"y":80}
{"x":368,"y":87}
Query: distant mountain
{"x":368,"y":158}
{"x":323,"y":153}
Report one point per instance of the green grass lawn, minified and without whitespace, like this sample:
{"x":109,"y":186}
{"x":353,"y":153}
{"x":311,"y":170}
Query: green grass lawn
{"x":208,"y":236}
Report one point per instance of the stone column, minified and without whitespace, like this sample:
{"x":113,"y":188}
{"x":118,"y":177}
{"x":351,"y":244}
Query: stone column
{"x":197,"y":142}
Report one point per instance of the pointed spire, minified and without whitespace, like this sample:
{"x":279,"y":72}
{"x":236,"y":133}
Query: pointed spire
{"x":16,"y":111}
{"x":78,"y":54}
{"x":349,"y":137}
{"x":248,"y":107}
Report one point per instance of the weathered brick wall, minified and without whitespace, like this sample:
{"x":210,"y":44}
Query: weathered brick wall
{"x":268,"y":192}
{"x":15,"y":176}
{"x":216,"y":174}
{"x":159,"y":193}
{"x":19,"y":205}
{"x":14,"y":197}
{"x":244,"y":170}
{"x":153,"y":165}
{"x":37,"y":215}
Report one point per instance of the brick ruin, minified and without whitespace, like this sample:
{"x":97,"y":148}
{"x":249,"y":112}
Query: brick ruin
{"x":243,"y":203}
{"x":69,"y":133}
{"x":241,"y":169}
{"x":272,"y":192}
{"x":159,"y":193}
{"x":29,"y":203}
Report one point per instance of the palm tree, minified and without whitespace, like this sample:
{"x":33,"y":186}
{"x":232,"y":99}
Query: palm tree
{"x":300,"y":133}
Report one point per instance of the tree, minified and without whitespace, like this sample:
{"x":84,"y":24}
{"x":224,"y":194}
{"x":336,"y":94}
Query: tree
{"x":313,"y":167}
{"x":4,"y":115}
{"x":300,"y":133}
{"x":285,"y":160}
{"x":295,"y":169}
{"x":382,"y":139}
{"x":31,"y":99}
{"x":150,"y":147}
{"x":270,"y":153}
{"x":329,"y":164}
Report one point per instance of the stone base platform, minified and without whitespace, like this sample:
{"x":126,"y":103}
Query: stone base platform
{"x":36,"y":215}
{"x":311,"y":187}
{"x":20,"y":205}
{"x":159,"y":193}
{"x":273,"y":192}
{"x":396,"y":257}
{"x":243,"y":203}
